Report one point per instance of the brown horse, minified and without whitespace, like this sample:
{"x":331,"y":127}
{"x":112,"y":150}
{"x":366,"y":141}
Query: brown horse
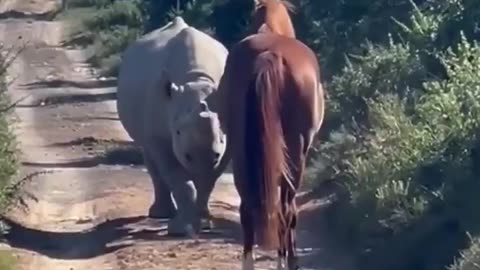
{"x":272,"y":16}
{"x":271,"y":106}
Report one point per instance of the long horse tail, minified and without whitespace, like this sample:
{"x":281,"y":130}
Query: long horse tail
{"x":267,"y":160}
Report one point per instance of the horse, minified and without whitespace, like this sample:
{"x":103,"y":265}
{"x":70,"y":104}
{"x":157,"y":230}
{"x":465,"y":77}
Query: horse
{"x":163,"y":81}
{"x":272,"y":16}
{"x":271,"y":105}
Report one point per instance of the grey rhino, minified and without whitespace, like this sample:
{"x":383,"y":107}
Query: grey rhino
{"x":163,"y":81}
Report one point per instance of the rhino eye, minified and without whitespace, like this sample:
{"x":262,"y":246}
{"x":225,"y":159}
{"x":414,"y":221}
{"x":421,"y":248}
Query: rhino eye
{"x":178,"y":132}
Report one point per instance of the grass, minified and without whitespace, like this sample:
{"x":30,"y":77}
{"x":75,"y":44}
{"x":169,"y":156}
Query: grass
{"x":75,"y":17}
{"x":104,"y":29}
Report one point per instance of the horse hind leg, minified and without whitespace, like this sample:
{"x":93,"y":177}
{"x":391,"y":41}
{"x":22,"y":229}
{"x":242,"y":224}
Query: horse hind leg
{"x":282,"y":254}
{"x":299,"y":151}
{"x":282,"y":232}
{"x":248,"y":237}
{"x":292,"y":258}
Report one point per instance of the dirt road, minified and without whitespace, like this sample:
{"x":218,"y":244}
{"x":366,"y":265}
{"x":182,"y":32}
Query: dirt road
{"x":93,"y":193}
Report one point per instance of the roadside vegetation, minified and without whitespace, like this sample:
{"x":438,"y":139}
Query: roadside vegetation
{"x":9,"y":184}
{"x":401,"y":136}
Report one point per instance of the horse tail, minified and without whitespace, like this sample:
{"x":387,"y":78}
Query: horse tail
{"x":267,"y":160}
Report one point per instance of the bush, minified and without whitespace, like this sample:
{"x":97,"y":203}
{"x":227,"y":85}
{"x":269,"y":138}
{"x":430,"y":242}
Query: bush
{"x":8,"y":158}
{"x":88,"y":3}
{"x":126,"y":13}
{"x":410,"y":172}
{"x":109,"y":30}
{"x":470,"y":257}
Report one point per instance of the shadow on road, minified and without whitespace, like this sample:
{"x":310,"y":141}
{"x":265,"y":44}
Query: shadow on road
{"x":126,"y":154}
{"x":69,"y":99}
{"x":68,"y":83}
{"x":101,"y":239}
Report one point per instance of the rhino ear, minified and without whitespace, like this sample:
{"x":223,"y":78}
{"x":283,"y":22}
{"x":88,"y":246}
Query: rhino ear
{"x":204,"y":106}
{"x":171,"y":88}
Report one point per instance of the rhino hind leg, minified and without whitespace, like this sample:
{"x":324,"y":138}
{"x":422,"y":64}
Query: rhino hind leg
{"x":163,"y":205}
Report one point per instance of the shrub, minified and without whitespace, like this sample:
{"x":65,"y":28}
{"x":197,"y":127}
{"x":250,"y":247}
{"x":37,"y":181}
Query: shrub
{"x":470,"y":257}
{"x":8,"y":158}
{"x":109,"y":31}
{"x":412,"y":162}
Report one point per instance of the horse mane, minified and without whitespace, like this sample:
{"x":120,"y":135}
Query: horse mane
{"x":287,"y":4}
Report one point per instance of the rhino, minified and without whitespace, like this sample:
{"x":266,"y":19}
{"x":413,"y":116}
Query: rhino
{"x":163,"y":81}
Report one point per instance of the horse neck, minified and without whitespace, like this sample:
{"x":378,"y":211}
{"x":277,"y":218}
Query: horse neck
{"x":281,"y":23}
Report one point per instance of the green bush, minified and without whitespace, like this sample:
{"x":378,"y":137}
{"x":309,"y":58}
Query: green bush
{"x":470,"y":257}
{"x":88,"y":3}
{"x":8,"y":157}
{"x":109,"y":30}
{"x":9,"y":188}
{"x":125,"y":13}
{"x":412,"y":161}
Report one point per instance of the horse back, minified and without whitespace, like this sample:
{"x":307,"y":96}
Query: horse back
{"x":302,"y":96}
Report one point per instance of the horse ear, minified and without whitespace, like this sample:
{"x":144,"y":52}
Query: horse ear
{"x":170,"y":88}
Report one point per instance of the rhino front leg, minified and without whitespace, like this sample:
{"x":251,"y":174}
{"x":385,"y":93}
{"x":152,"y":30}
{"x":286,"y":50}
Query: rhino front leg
{"x":163,"y":205}
{"x":205,"y":188}
{"x":187,"y":220}
{"x":180,"y":184}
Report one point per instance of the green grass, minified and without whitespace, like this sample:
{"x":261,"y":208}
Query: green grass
{"x":105,"y":29}
{"x":75,"y":16}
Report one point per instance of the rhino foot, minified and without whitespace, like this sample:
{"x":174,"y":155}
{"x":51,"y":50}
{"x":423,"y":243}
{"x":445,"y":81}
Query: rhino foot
{"x":161,"y":211}
{"x":178,"y":228}
{"x":206,"y":224}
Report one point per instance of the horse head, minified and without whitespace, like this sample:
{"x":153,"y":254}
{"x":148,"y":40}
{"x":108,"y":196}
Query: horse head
{"x":197,"y":138}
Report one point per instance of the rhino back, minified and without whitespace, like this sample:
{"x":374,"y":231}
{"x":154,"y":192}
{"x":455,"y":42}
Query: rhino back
{"x":193,"y":53}
{"x":142,"y":64}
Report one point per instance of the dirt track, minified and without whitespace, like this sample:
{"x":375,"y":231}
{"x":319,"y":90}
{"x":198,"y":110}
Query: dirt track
{"x":89,"y":212}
